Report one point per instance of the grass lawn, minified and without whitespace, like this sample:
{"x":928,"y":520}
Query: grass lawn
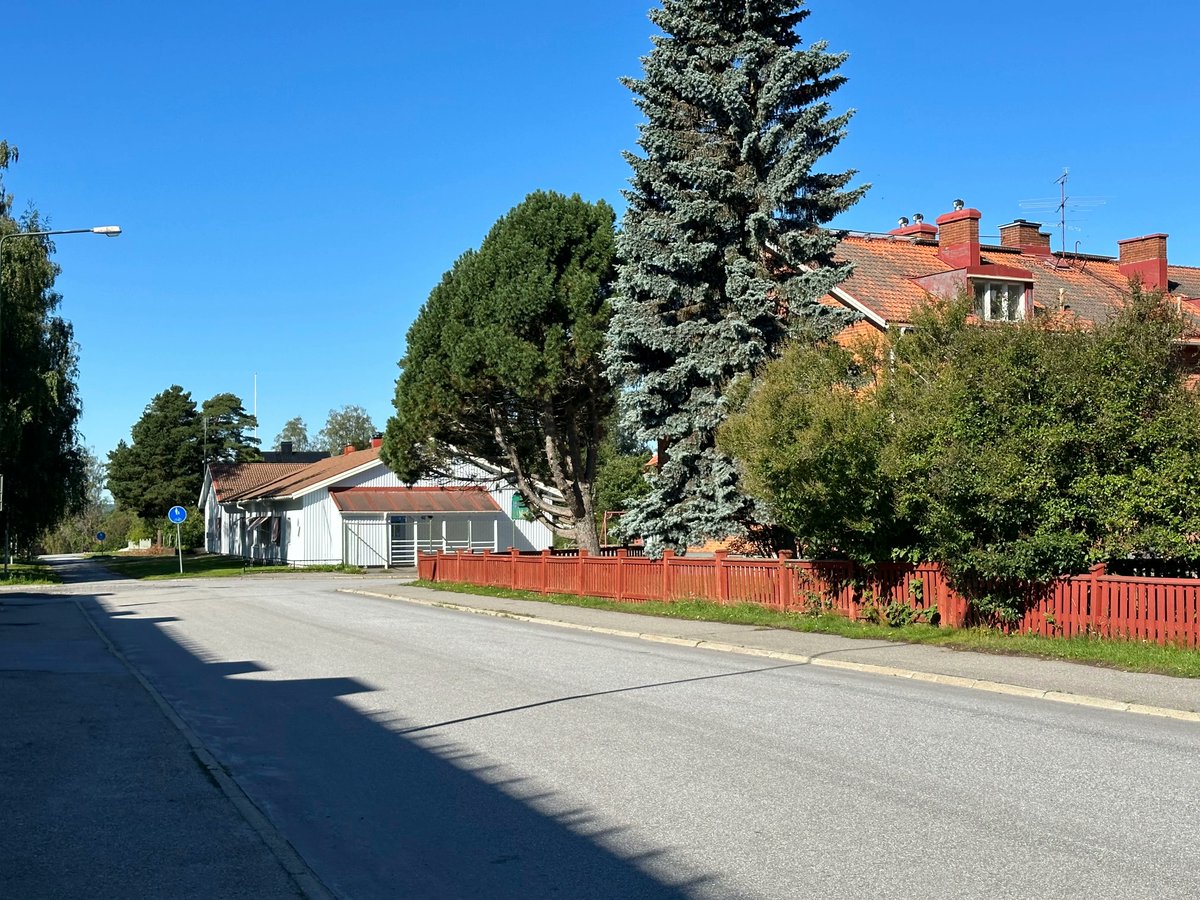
{"x":1131,"y":656}
{"x":159,"y":567}
{"x":29,"y":573}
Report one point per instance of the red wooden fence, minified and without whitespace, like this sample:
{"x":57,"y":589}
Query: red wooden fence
{"x":1159,"y":610}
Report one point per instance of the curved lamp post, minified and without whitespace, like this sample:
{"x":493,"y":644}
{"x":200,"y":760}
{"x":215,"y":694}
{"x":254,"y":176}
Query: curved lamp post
{"x":107,"y":231}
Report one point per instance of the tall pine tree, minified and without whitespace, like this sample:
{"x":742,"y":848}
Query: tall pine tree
{"x":722,"y":251}
{"x":226,"y":426}
{"x":164,"y":464}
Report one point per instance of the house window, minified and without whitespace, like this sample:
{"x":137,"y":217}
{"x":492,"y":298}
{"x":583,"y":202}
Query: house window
{"x":1000,"y":301}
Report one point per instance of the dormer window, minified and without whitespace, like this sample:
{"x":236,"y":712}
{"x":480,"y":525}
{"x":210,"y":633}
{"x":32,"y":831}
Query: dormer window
{"x":1001,"y":301}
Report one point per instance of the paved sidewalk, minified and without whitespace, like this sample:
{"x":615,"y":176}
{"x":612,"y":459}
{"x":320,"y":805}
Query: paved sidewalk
{"x":1037,"y":678}
{"x":101,"y":796}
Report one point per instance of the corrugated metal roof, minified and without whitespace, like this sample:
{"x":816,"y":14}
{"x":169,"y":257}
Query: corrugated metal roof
{"x":414,"y":500}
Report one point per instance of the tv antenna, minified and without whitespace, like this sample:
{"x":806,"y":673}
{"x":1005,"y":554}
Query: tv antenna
{"x":1078,"y":207}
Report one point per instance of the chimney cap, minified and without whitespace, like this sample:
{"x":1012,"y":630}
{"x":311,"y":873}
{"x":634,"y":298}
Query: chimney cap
{"x":902,"y":221}
{"x":1144,"y":237}
{"x":958,"y":204}
{"x":918,"y":217}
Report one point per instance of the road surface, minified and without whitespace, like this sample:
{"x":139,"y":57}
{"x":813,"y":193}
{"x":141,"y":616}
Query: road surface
{"x":410,"y":751}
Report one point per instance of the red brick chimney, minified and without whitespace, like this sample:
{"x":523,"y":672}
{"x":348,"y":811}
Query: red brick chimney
{"x":1145,"y":258}
{"x":347,"y":450}
{"x":918,"y":229}
{"x":958,"y":240}
{"x":1026,"y":236}
{"x":377,"y":441}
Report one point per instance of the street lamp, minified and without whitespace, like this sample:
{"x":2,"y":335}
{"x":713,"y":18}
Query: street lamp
{"x":107,"y":231}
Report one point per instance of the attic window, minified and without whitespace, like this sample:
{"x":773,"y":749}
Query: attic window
{"x":1002,"y":301}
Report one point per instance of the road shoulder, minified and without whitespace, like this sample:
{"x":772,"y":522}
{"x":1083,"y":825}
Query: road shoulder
{"x":1039,"y":679}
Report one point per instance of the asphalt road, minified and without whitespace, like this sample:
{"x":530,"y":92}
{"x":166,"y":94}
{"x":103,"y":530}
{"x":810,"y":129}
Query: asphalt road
{"x":409,"y":751}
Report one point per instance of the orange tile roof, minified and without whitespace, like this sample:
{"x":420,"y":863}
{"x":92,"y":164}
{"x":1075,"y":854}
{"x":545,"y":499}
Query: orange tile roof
{"x":1184,"y":280}
{"x":232,"y":479}
{"x":306,"y":476}
{"x":1092,"y":288}
{"x":883,"y":273}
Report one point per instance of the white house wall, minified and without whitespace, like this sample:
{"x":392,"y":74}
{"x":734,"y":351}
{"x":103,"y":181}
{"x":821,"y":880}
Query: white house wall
{"x":320,"y":531}
{"x":314,"y":532}
{"x":505,"y":533}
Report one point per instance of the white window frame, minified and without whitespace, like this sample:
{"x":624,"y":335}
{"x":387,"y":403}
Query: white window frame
{"x":985,"y":290}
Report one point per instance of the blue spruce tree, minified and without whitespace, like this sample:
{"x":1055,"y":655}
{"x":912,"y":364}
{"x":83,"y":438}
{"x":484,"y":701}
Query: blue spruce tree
{"x":722,"y":250}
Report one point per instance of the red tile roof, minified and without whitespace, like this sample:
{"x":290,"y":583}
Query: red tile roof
{"x":233,"y":479}
{"x":1092,"y":288}
{"x":305,"y":476}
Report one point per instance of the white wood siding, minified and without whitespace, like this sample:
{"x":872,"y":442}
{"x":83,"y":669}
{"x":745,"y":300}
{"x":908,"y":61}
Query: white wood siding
{"x":314,"y":532}
{"x":320,"y":531}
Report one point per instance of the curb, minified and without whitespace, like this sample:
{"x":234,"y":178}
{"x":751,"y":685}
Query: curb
{"x":975,"y":684}
{"x":303,"y":877}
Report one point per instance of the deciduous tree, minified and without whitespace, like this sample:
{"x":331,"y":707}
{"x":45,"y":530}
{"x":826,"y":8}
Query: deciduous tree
{"x":1009,"y":454}
{"x":346,"y":426}
{"x":43,"y":463}
{"x":295,"y":432}
{"x":722,"y":250}
{"x":809,"y":440}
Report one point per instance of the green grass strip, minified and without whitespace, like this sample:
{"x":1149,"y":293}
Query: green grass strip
{"x":1129,"y":656}
{"x":199,"y":565}
{"x":30,"y":573}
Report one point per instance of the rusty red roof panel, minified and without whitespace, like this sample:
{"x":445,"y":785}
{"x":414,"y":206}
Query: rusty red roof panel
{"x":414,"y":500}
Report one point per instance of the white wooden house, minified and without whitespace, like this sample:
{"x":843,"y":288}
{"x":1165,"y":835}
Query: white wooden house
{"x":351,"y":509}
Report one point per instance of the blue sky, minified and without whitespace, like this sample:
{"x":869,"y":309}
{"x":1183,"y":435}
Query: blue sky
{"x":294,"y":177}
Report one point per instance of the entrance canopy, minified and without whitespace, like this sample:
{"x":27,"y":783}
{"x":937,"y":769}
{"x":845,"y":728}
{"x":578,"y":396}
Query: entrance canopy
{"x":414,"y":500}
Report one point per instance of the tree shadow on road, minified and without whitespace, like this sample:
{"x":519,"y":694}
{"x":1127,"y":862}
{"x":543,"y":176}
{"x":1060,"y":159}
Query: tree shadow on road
{"x":376,"y":813}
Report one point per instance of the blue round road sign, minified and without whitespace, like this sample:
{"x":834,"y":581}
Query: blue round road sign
{"x":177,"y":514}
{"x":100,"y":535}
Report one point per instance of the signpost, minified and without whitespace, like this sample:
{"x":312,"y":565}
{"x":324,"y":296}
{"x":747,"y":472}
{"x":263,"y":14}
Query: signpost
{"x":178,"y":515}
{"x":100,"y":536}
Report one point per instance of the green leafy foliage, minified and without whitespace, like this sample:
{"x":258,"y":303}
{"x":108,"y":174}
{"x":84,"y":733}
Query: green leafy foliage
{"x":722,"y":253}
{"x":43,"y":463}
{"x":76,"y":531}
{"x":809,"y":438}
{"x":503,"y":361}
{"x":1010,"y":454}
{"x":347,"y":426}
{"x":620,"y":481}
{"x":295,"y":432}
